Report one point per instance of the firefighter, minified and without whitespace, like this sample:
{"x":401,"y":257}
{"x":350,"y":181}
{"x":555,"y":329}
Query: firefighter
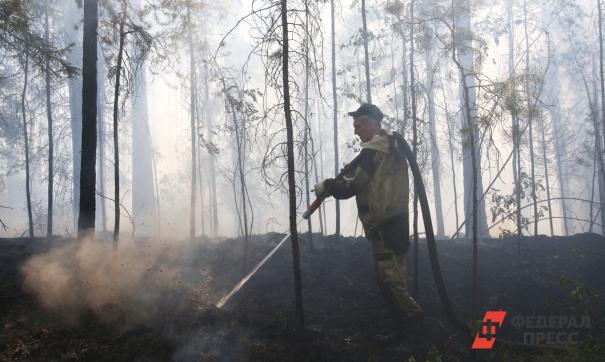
{"x":378,"y":177}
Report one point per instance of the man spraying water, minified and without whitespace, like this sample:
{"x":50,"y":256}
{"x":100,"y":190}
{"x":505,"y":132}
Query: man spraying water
{"x":378,"y":177}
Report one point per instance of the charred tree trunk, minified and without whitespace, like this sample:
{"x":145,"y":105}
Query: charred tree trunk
{"x":49,"y":116}
{"x":26,"y":145}
{"x":291,"y":177}
{"x":366,"y":52}
{"x":335,"y":113}
{"x":116,"y":145}
{"x":86,"y":218}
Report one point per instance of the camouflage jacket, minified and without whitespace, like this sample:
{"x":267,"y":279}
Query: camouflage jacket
{"x":378,"y":176}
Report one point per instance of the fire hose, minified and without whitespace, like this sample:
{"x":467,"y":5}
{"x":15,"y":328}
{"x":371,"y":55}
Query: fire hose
{"x":430,"y":239}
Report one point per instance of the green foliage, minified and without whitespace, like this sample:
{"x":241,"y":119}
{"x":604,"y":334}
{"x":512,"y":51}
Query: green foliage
{"x":19,"y":36}
{"x":504,"y":206}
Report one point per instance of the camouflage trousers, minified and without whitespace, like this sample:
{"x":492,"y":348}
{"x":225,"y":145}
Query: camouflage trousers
{"x":389,"y":244}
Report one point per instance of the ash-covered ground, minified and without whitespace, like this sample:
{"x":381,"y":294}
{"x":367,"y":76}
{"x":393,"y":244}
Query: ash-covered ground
{"x":152,"y":300}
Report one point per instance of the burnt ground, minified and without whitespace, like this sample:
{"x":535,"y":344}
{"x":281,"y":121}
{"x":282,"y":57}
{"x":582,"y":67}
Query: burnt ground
{"x":559,"y":276}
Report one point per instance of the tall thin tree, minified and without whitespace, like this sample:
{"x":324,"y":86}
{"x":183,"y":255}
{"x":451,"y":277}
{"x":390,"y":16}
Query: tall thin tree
{"x":307,"y":123}
{"x":116,"y":110}
{"x":49,"y":117}
{"x":86,"y":218}
{"x":530,"y":117}
{"x":192,"y":95}
{"x":72,"y":15}
{"x":26,"y":145}
{"x":300,"y":323}
{"x":430,"y":94}
{"x":366,"y":52}
{"x":515,"y":122}
{"x":335,"y":112}
{"x":414,"y":142}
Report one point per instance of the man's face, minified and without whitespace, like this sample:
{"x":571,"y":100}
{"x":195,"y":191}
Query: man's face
{"x":365,"y":128}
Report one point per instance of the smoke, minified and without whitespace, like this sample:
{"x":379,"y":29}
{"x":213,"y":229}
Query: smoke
{"x":139,"y":282}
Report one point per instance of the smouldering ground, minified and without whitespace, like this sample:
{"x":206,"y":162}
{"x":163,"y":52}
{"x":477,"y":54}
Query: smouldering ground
{"x":152,"y":300}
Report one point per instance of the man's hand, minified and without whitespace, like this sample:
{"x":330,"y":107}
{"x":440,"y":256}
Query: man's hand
{"x":323,"y":189}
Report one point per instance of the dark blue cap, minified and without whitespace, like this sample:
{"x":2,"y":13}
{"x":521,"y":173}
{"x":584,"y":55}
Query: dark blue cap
{"x":369,"y":110}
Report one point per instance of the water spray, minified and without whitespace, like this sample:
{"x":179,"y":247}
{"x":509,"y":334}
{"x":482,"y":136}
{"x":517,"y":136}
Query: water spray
{"x":245,"y":279}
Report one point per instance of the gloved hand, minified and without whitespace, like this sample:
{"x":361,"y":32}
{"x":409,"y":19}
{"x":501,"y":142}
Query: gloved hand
{"x":323,"y":189}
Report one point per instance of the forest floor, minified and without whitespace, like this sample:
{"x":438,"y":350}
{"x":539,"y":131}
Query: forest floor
{"x":66,"y":301}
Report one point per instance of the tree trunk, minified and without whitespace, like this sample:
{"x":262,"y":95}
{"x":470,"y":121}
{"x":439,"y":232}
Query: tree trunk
{"x":592,"y":187}
{"x":323,"y":224}
{"x":404,"y":71}
{"x":469,"y":104}
{"x":394,"y":74}
{"x":601,"y":72}
{"x":462,"y":62}
{"x":597,"y":117}
{"x":49,"y":116}
{"x":450,"y":135}
{"x":72,"y":17}
{"x":530,"y":121}
{"x":335,"y":114}
{"x":598,"y":143}
{"x":26,"y":144}
{"x":414,"y":146}
{"x":471,"y":126}
{"x":552,"y":230}
{"x":515,"y":122}
{"x":199,"y":119}
{"x":116,"y":145}
{"x":192,"y":81}
{"x":366,"y":53}
{"x":560,"y":173}
{"x":435,"y":159}
{"x":291,"y":177}
{"x":320,"y":210}
{"x":307,"y":125}
{"x":143,"y":197}
{"x":212,"y":167}
{"x":101,"y":74}
{"x":86,"y":218}
{"x":239,"y":140}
